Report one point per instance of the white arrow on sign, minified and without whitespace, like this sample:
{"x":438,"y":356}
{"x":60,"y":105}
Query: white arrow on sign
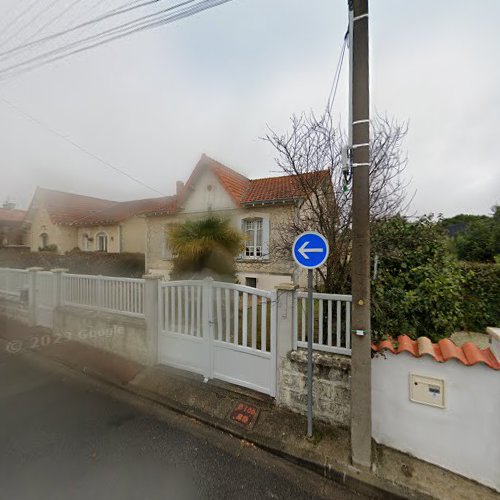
{"x":303,"y":250}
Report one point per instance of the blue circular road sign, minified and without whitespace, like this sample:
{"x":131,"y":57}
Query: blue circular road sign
{"x":310,"y":250}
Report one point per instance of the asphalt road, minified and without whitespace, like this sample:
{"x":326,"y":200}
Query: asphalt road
{"x":66,"y":436}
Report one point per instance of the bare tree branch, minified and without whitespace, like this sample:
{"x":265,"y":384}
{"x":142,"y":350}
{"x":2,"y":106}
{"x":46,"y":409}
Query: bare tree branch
{"x":314,"y":144}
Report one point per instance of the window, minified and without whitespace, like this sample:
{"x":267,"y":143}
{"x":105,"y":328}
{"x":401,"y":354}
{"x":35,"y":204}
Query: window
{"x":85,"y":242}
{"x":251,"y":282}
{"x":253,"y":232}
{"x":102,"y":242}
{"x":44,"y":240}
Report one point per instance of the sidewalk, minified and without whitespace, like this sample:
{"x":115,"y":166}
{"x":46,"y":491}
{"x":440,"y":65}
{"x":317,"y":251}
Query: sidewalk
{"x":225,"y":407}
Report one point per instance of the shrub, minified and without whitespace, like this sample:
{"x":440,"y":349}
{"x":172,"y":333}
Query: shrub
{"x":480,"y":295}
{"x":108,"y":264}
{"x":418,"y":288}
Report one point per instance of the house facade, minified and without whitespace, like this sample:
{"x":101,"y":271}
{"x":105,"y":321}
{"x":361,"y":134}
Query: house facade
{"x":258,"y":207}
{"x":12,"y":226}
{"x":61,"y":222}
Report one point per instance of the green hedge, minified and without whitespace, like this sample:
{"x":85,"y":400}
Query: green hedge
{"x":480,"y":295}
{"x":129,"y":265}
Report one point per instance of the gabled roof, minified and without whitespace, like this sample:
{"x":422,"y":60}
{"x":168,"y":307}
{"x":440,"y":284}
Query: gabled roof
{"x":66,"y":208}
{"x":120,"y":211}
{"x":78,"y":210}
{"x":244,"y":191}
{"x":233,"y":182}
{"x":469,"y":354}
{"x":12,"y":215}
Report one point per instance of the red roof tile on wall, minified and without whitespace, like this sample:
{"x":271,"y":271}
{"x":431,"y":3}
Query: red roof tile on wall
{"x":469,"y":354}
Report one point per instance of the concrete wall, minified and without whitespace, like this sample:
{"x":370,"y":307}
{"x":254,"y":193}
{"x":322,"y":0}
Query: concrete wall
{"x":116,"y":333}
{"x":133,"y":234}
{"x":13,"y":308}
{"x":331,"y":387}
{"x":464,"y":437}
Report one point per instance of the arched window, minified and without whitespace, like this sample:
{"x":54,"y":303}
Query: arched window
{"x":44,"y":240}
{"x":102,"y":242}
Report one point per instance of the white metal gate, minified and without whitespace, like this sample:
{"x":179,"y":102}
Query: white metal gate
{"x":219,"y":330}
{"x":45,"y":298}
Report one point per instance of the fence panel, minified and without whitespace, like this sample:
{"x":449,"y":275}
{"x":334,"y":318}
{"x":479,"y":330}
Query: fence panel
{"x":104,"y":293}
{"x":13,"y":281}
{"x":331,"y":325}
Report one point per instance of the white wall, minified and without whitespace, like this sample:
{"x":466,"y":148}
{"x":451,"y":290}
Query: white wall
{"x":464,"y":437}
{"x":265,"y":281}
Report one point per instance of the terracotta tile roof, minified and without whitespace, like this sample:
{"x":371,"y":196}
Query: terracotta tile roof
{"x":469,"y":354}
{"x":77,"y":210}
{"x":233,"y":182}
{"x":123,"y":210}
{"x":286,"y":187}
{"x":66,"y":208}
{"x":11,"y":215}
{"x":246,"y":191}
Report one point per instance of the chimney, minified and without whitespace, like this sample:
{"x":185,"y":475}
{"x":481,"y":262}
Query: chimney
{"x":179,"y":186}
{"x":9,"y":205}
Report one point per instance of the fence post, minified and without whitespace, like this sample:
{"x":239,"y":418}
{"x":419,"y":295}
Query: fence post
{"x":33,"y":294}
{"x":57,"y":276}
{"x":151,"y":315}
{"x":100,"y":294}
{"x":285,"y":298}
{"x":207,"y":323}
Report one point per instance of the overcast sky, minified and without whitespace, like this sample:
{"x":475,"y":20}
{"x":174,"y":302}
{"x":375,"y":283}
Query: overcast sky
{"x":152,"y":103}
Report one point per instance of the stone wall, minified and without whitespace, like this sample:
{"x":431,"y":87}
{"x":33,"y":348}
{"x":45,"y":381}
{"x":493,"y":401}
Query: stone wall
{"x":331,"y":387}
{"x":116,"y":333}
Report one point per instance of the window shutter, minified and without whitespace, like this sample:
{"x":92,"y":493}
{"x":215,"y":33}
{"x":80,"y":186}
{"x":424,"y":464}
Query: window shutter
{"x":242,"y":229}
{"x":266,"y":230}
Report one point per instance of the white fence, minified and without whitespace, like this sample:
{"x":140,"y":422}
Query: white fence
{"x":104,"y":293}
{"x":13,"y":281}
{"x":331,"y":324}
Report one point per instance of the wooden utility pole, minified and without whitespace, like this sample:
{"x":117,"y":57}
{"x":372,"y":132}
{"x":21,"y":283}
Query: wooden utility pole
{"x":361,"y":428}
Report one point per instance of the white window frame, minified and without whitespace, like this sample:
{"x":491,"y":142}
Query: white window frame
{"x":44,"y":240}
{"x":253,"y":228}
{"x":98,"y":242}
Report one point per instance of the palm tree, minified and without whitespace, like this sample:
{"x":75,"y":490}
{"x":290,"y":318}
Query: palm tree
{"x":205,"y":247}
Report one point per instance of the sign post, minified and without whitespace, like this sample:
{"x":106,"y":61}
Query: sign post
{"x":310,"y":250}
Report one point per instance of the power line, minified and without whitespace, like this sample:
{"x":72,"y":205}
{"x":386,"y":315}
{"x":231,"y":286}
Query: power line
{"x":114,"y":12}
{"x":336,"y":78}
{"x":76,"y":145}
{"x":117,"y":35}
{"x":29,"y":23}
{"x":17,"y":18}
{"x":53,"y":19}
